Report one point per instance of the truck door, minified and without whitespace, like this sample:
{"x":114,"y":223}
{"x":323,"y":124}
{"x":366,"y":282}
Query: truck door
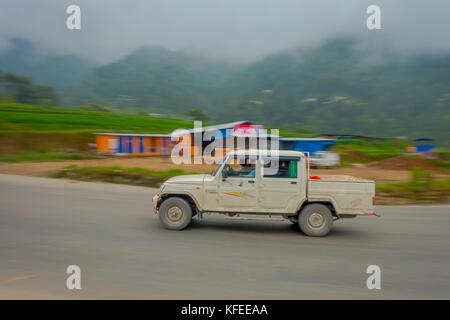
{"x":238,"y":187}
{"x":280,"y":187}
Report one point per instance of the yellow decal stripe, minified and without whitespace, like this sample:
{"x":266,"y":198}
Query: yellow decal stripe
{"x":236,"y":194}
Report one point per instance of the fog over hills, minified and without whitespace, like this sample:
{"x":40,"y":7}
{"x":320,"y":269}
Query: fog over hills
{"x":338,"y":87}
{"x":22,"y":57}
{"x":343,"y":86}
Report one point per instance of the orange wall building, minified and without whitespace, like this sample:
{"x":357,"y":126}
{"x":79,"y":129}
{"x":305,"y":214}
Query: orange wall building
{"x":134,"y":144}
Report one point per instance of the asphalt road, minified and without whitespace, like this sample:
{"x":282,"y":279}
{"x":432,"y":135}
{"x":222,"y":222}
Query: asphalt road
{"x":112,"y":234}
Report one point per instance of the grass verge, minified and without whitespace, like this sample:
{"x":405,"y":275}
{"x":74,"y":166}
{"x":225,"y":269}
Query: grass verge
{"x":116,"y":174}
{"x":421,"y":189}
{"x":359,"y":151}
{"x":442,"y":164}
{"x":43,"y":155}
{"x":434,"y":191}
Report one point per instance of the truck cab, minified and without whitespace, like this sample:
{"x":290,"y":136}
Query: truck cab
{"x":263,"y":182}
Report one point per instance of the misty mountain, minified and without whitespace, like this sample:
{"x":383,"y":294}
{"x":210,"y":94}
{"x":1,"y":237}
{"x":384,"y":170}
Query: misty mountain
{"x":154,"y":79}
{"x":335,"y":88}
{"x":340,"y":88}
{"x":58,"y":71}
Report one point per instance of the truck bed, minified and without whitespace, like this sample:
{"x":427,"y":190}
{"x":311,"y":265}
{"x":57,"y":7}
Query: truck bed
{"x":351,"y":195}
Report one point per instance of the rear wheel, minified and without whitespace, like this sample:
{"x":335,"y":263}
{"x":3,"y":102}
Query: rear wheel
{"x":175,"y":213}
{"x":315,"y":220}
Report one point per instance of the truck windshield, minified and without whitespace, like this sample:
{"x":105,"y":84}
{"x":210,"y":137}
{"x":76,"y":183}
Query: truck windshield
{"x":213,"y":173}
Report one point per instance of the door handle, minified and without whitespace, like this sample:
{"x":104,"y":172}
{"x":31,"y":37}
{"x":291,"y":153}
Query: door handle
{"x":293,"y":182}
{"x":251,"y":181}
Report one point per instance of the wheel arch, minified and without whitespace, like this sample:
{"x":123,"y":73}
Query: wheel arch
{"x":326,"y":202}
{"x":185,"y":195}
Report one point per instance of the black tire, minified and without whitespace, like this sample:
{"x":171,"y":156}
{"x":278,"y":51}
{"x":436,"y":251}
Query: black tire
{"x":315,"y":220}
{"x":175,"y":213}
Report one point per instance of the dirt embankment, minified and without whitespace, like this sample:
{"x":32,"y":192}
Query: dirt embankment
{"x":379,"y":175}
{"x":150,"y":163}
{"x":13,"y":142}
{"x":404,"y":163}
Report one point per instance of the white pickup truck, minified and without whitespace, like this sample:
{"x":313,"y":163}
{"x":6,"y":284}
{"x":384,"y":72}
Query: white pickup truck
{"x":262,"y":182}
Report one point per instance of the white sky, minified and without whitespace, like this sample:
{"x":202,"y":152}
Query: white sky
{"x":239,"y":29}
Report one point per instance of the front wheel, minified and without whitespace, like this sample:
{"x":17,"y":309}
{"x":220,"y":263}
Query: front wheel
{"x":315,"y":220}
{"x":175,"y":213}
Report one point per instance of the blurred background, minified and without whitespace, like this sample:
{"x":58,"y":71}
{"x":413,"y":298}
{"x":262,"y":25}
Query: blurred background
{"x":99,"y":103}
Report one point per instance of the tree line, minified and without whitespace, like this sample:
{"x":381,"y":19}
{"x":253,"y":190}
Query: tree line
{"x":20,"y":89}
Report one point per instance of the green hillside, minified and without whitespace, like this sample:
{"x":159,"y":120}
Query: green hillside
{"x":155,"y":79}
{"x":338,"y":87}
{"x":36,"y":133}
{"x":26,"y":118}
{"x":332,"y":89}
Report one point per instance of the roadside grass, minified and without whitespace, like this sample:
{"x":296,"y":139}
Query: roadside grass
{"x":359,"y":151}
{"x":442,"y":164}
{"x":115,"y":174}
{"x":422,"y":187}
{"x":290,"y":134}
{"x":43,"y":155}
{"x":437,"y":185}
{"x":442,"y":153}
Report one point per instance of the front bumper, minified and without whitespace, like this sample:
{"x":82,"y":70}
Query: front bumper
{"x":155,"y":201}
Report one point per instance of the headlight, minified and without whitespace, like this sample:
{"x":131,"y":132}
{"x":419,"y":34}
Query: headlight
{"x":162,"y":187}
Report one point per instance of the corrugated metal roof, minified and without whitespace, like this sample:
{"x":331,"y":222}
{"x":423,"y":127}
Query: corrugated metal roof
{"x":228,"y":125}
{"x":213,"y":127}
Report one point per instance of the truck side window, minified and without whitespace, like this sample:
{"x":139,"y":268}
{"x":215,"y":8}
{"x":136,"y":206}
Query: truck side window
{"x":280,"y":168}
{"x":293,"y":169}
